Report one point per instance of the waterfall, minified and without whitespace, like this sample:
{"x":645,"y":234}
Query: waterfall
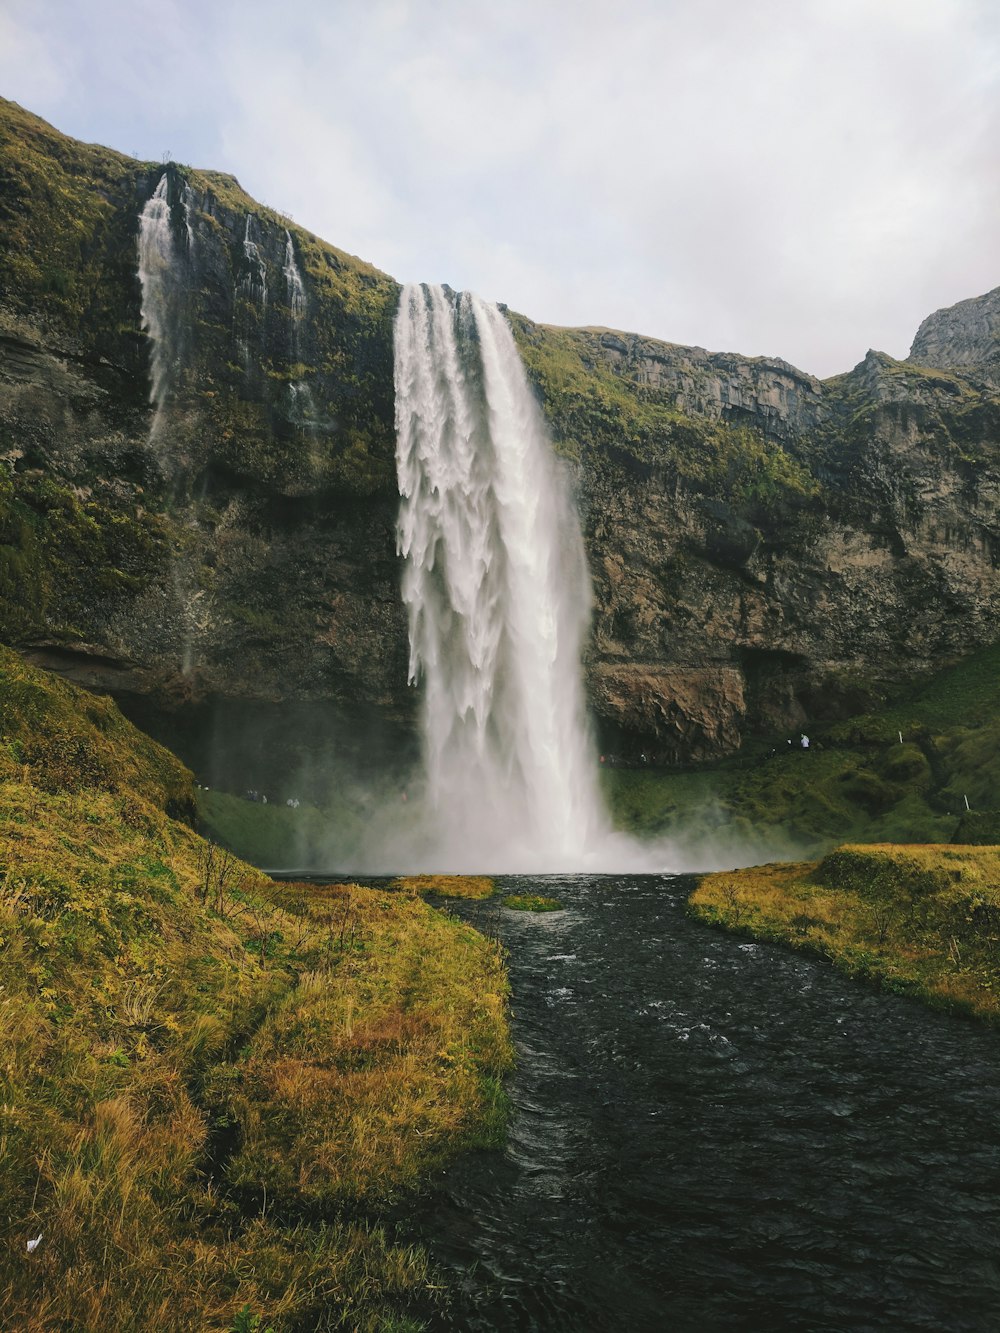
{"x":160,"y":306}
{"x":164,"y":280}
{"x":497,"y":593}
{"x":295,"y":287}
{"x":253,"y":283}
{"x":250,"y":305}
{"x":301,"y":407}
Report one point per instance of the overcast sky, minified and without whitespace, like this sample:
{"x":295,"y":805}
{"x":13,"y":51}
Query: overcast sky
{"x":800,"y":178}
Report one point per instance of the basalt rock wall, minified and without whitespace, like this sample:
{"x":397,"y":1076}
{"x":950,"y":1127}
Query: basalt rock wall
{"x":766,"y":549}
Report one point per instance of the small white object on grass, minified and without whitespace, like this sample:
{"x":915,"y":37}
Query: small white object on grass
{"x":34,"y":1244}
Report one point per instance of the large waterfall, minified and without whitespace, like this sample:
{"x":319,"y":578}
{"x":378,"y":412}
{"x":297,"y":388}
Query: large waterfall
{"x":498,"y":595}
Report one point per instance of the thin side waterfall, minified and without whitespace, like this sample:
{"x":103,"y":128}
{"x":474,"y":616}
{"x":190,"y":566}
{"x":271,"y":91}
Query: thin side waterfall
{"x":497,"y":592}
{"x":253,"y":283}
{"x":295,"y":286}
{"x":159,"y":272}
{"x":299,"y":392}
{"x":250,"y":305}
{"x":163,"y":277}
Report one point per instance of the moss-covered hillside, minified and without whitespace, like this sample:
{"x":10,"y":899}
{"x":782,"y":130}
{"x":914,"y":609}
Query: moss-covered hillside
{"x":210,"y":1084}
{"x":61,"y":739}
{"x":858,"y":781}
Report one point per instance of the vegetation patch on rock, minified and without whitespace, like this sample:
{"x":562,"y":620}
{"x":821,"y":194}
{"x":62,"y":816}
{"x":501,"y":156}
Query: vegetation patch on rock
{"x":531,"y":902}
{"x":448,"y":886}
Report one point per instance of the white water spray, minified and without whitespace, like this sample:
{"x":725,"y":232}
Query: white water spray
{"x":300,"y":395}
{"x":159,"y":308}
{"x":498,"y":596}
{"x":295,"y":287}
{"x":253,"y":283}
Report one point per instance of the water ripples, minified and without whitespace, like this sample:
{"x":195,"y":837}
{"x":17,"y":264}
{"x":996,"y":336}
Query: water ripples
{"x":714,"y":1134}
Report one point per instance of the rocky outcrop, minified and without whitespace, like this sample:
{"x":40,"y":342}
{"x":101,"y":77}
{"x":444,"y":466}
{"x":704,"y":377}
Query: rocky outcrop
{"x":245,"y":546}
{"x":766,"y":549}
{"x":767,"y":394}
{"x":822,"y":545}
{"x":963,"y":337}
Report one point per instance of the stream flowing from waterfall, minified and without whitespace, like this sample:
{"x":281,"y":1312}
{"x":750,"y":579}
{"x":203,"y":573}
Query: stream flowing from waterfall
{"x":709,"y":1133}
{"x":497,"y":593}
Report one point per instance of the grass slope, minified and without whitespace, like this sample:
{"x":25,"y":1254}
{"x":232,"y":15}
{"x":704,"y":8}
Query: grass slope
{"x":210,"y":1083}
{"x":857,"y":783}
{"x":918,"y":920}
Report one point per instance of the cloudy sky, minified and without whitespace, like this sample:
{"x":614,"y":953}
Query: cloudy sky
{"x":801,"y":178}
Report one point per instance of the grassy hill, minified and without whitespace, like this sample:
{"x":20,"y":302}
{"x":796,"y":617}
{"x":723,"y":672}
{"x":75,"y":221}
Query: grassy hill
{"x":210,"y":1084}
{"x":858,"y":782}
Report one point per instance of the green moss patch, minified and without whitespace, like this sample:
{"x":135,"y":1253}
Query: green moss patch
{"x":531,"y":902}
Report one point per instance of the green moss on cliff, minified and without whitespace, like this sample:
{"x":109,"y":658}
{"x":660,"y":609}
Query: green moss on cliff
{"x":59,"y":738}
{"x":68,"y":221}
{"x":600,"y":418}
{"x":60,"y":554}
{"x":858,"y":782}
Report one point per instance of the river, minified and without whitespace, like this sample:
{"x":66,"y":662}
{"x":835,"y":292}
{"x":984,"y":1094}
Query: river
{"x":709,"y":1133}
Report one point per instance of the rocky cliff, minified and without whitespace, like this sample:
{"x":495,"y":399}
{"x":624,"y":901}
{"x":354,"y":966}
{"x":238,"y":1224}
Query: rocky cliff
{"x":766,"y":548}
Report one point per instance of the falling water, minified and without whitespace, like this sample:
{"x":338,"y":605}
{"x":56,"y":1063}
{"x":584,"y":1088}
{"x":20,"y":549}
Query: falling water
{"x":300,"y":395}
{"x":160,"y":305}
{"x":253,"y":283}
{"x":250,"y":306}
{"x":163,"y":277}
{"x":498,"y":596}
{"x":294,"y":284}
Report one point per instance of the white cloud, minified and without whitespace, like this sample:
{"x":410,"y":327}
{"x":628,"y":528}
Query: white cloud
{"x":803,"y":179}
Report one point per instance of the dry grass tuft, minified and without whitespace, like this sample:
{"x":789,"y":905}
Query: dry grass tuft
{"x":447,"y":886}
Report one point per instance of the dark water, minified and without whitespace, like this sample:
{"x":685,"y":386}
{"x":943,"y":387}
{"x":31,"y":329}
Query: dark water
{"x":713,"y":1134}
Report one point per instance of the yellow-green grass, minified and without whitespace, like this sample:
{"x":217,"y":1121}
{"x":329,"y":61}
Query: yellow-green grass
{"x":922,"y":920}
{"x":447,"y":886}
{"x":384,"y":1059}
{"x":208,"y":1081}
{"x":531,"y":902}
{"x":59,"y":738}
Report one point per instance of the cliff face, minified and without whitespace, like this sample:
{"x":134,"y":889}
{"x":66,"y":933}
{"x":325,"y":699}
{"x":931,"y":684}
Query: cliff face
{"x":237,"y":538}
{"x":766,"y":549}
{"x":964,"y":337}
